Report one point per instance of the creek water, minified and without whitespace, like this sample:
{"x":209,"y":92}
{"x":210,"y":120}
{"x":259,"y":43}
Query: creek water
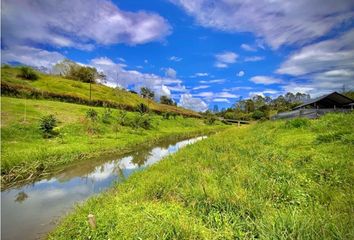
{"x":32,"y":210}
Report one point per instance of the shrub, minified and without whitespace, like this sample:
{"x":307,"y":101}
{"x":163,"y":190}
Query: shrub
{"x":138,"y":121}
{"x":28,"y":73}
{"x":297,"y":123}
{"x":258,"y":115}
{"x":106,"y":116}
{"x":166,"y":115}
{"x":210,"y":120}
{"x":91,"y":114}
{"x":142,"y":108}
{"x":47,"y":124}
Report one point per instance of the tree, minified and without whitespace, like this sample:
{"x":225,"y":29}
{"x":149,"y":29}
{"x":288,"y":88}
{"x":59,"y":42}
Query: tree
{"x":147,"y":93}
{"x":72,"y":70}
{"x":28,"y":73}
{"x":166,"y":100}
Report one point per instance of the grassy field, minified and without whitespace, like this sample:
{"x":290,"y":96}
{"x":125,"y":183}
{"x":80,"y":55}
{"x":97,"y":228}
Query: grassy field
{"x":26,"y":152}
{"x":52,"y":84}
{"x":272,"y":180}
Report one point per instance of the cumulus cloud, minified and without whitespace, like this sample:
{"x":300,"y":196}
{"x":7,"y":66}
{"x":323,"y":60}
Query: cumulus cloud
{"x":224,"y":59}
{"x":196,"y":104}
{"x":324,"y":66}
{"x":78,"y":24}
{"x":265,"y":80}
{"x":277,"y":22}
{"x":170,"y":72}
{"x":31,"y":56}
{"x":240,"y":74}
{"x":254,"y":59}
{"x":117,"y":75}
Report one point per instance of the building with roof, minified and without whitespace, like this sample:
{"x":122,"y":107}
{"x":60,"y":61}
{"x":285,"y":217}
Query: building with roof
{"x":314,"y":108}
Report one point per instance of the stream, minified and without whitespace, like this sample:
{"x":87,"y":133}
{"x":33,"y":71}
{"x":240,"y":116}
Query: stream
{"x":33,"y":210}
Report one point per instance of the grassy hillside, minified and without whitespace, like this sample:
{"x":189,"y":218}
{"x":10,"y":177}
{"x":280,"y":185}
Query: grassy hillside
{"x":26,"y":152}
{"x":59,"y":88}
{"x":273,"y":180}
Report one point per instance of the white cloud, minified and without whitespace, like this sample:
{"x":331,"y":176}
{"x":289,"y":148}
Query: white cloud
{"x":210,"y":95}
{"x":249,"y":48}
{"x":240,"y":74}
{"x":78,"y":24}
{"x":254,"y":59}
{"x":225,"y":58}
{"x":221,"y":100}
{"x":200,"y":74}
{"x":267,"y":92}
{"x":204,"y":94}
{"x":31,"y":56}
{"x":117,"y":75}
{"x":277,"y":22}
{"x":200,"y":87}
{"x":189,"y":102}
{"x":212,"y":81}
{"x":265,"y":80}
{"x":326,"y":65}
{"x":170,"y":72}
{"x":220,"y":65}
{"x":175,"y":59}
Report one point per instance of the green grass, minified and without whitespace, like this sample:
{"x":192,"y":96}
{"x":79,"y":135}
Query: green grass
{"x":272,"y":180}
{"x":61,"y":86}
{"x":26,"y":152}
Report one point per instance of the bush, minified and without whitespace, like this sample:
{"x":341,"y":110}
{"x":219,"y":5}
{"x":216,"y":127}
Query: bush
{"x":166,"y":115}
{"x":28,"y":73}
{"x":297,"y":123}
{"x":210,"y":120}
{"x":106,"y":116}
{"x":258,"y":115}
{"x":92,"y":114}
{"x":142,"y":108}
{"x":47,"y":124}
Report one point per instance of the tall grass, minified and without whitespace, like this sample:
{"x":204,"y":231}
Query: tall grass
{"x":273,"y":180}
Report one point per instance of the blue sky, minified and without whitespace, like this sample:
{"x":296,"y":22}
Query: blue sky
{"x":200,"y":52}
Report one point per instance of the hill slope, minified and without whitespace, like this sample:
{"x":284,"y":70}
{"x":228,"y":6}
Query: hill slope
{"x":59,"y":88}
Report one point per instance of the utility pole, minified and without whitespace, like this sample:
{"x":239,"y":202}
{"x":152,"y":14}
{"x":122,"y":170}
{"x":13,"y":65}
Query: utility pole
{"x":90,"y":90}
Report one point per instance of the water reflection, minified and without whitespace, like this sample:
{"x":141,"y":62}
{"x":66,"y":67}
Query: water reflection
{"x":28,"y":212}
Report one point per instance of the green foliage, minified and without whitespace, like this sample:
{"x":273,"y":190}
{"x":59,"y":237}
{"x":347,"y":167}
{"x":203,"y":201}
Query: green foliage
{"x":47,"y":124}
{"x":209,"y":118}
{"x":166,"y":115}
{"x":74,"y":71}
{"x":258,"y":115}
{"x":297,"y":123}
{"x":28,"y":73}
{"x":142,"y":108}
{"x":91,"y":114}
{"x":166,"y":100}
{"x":147,"y":93}
{"x":107,"y":115}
